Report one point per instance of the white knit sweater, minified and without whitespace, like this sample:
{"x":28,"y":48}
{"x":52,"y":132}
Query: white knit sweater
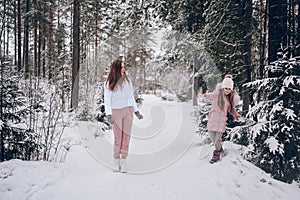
{"x":119,"y":98}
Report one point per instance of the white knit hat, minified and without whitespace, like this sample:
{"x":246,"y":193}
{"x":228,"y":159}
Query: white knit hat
{"x":227,"y":83}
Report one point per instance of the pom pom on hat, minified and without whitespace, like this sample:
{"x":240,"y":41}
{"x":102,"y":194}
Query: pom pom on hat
{"x":227,"y":82}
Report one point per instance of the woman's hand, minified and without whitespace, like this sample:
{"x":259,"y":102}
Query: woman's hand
{"x":138,"y":115}
{"x":237,"y":116}
{"x":110,"y":119}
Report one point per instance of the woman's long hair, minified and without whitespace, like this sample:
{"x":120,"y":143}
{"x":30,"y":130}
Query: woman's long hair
{"x":115,"y":77}
{"x":221,"y":100}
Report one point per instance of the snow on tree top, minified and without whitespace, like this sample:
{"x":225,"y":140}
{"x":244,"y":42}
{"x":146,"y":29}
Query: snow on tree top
{"x":274,"y":145}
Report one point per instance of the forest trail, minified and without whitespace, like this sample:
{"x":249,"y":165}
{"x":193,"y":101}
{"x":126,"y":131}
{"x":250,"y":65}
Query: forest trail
{"x":157,"y":141}
{"x":163,"y":164}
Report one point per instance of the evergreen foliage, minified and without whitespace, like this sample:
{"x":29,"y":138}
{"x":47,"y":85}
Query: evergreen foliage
{"x":278,"y":33}
{"x":183,"y":16}
{"x":100,"y":109}
{"x":48,"y":119}
{"x":274,"y":138}
{"x":204,"y":39}
{"x":201,"y":114}
{"x":225,"y":36}
{"x":18,"y":141}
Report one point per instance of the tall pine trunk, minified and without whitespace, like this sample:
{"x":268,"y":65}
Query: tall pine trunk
{"x":15,"y":33}
{"x":39,"y":56}
{"x":19,"y":36}
{"x":1,"y":88}
{"x":277,"y":32}
{"x":1,"y":112}
{"x":50,"y":45}
{"x":262,"y":37}
{"x":76,"y":54}
{"x":2,"y":31}
{"x":247,"y":5}
{"x":43,"y":40}
{"x":26,"y":40}
{"x":298,"y":25}
{"x":134,"y":68}
{"x":35,"y":38}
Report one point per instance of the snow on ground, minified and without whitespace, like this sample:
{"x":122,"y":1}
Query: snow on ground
{"x":163,"y":164}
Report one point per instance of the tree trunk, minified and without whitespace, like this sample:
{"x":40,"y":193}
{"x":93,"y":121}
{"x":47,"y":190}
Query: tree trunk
{"x":35,"y":38}
{"x":262,"y":39}
{"x":7,"y":38}
{"x":2,"y":31}
{"x":277,"y":27}
{"x":298,"y":25}
{"x":195,"y":81}
{"x":134,"y":70}
{"x":1,"y":112}
{"x":44,"y":45}
{"x":76,"y":55}
{"x":1,"y":89}
{"x":15,"y":32}
{"x":19,"y":37}
{"x":294,"y":6}
{"x":50,"y":45}
{"x":247,"y":5}
{"x":26,"y":40}
{"x":96,"y":45}
{"x":39,"y":51}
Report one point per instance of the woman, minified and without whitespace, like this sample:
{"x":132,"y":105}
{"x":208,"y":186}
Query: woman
{"x":119,"y":107}
{"x":224,"y":101}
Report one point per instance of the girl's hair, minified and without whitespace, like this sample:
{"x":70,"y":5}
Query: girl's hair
{"x":221,"y":97}
{"x":115,"y":77}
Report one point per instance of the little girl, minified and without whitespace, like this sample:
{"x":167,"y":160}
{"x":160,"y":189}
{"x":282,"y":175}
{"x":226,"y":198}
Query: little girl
{"x":224,"y":101}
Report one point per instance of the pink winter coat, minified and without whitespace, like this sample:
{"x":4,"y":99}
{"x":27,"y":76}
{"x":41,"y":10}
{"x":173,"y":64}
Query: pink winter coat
{"x":217,"y":117}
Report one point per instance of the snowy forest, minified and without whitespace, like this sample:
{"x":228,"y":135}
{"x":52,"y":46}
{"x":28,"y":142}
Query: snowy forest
{"x":55,"y":55}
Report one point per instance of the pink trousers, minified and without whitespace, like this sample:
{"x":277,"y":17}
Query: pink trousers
{"x":123,"y":119}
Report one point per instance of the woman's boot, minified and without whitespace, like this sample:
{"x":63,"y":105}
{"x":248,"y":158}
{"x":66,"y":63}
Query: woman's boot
{"x":216,"y":156}
{"x":123,"y":166}
{"x":116,"y":165}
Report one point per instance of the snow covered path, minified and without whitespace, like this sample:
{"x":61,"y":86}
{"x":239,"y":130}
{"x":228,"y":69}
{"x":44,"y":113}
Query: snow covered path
{"x":163,"y":164}
{"x":158,"y":140}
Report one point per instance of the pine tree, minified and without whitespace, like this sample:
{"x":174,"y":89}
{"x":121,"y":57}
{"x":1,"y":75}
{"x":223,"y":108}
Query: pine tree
{"x":227,"y":37}
{"x":183,"y":16}
{"x":275,"y":136}
{"x":278,"y":31}
{"x":201,"y":115}
{"x":76,"y":55}
{"x":17,"y":141}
